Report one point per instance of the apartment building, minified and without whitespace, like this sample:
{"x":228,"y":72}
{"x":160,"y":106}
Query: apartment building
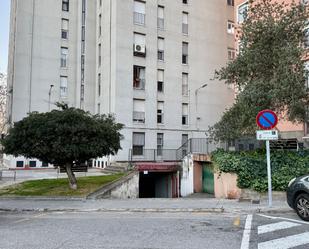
{"x":151,"y":63}
{"x":288,"y":130}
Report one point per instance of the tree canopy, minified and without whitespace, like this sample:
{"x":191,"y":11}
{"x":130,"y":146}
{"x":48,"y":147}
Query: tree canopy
{"x":269,"y":71}
{"x":64,"y":137}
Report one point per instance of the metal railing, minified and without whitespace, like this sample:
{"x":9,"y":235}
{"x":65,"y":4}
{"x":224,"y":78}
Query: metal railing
{"x":139,"y":18}
{"x":185,"y":28}
{"x":139,"y":117}
{"x":152,"y":155}
{"x":193,"y":145}
{"x":139,"y":84}
{"x":160,"y":23}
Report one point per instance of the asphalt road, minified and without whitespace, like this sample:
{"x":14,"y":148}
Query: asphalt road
{"x":119,"y":230}
{"x":25,"y":230}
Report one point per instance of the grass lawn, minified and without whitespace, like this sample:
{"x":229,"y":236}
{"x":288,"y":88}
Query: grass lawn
{"x":59,"y":187}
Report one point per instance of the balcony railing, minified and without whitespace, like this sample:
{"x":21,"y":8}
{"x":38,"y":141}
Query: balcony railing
{"x":185,"y":28}
{"x":139,"y":18}
{"x":160,"y":23}
{"x":139,"y":84}
{"x":194,"y":145}
{"x":139,"y":117}
{"x":153,"y":155}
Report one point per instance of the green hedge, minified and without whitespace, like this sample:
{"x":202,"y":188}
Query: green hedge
{"x":251,"y":167}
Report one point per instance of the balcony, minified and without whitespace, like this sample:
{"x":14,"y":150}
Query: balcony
{"x":139,"y":18}
{"x":153,"y":155}
{"x":192,"y":146}
{"x":160,"y":23}
{"x":185,"y":28}
{"x":139,"y":84}
{"x":139,"y":117}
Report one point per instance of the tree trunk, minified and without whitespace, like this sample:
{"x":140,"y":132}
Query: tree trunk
{"x":71,"y":176}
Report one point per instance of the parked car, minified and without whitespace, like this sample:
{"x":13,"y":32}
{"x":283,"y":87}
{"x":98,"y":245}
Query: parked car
{"x":298,"y":196}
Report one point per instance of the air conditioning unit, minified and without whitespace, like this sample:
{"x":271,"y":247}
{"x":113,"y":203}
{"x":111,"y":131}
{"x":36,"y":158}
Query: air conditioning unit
{"x":139,"y":49}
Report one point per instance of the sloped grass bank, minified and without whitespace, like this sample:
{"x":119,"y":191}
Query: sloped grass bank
{"x":59,"y":187}
{"x":251,"y":167}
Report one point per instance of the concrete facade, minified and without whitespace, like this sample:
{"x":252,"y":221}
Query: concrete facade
{"x":104,"y":82}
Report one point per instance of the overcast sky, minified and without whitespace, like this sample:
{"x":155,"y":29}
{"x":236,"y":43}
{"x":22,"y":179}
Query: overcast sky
{"x":4,"y":33}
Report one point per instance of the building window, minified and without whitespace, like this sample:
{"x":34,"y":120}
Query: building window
{"x":160,"y":144}
{"x":242,"y":12}
{"x":160,"y":110}
{"x":185,"y":16}
{"x":65,"y":5}
{"x":230,"y":27}
{"x":64,"y":57}
{"x":185,"y":1}
{"x":64,"y":29}
{"x":63,"y":86}
{"x":100,"y":26}
{"x":99,"y":108}
{"x":160,"y":17}
{"x":44,"y":164}
{"x":19,"y":164}
{"x":32,"y":164}
{"x":139,"y":78}
{"x":160,"y":80}
{"x":230,"y":2}
{"x":139,"y":46}
{"x":231,"y":54}
{"x":185,"y":89}
{"x":139,"y":13}
{"x":99,"y":84}
{"x":99,"y":55}
{"x":185,"y":47}
{"x":161,"y":49}
{"x":138,"y":111}
{"x":185,"y":116}
{"x":138,"y":143}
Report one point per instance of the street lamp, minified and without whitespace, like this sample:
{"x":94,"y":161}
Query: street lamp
{"x":49,"y":95}
{"x":196,"y":101}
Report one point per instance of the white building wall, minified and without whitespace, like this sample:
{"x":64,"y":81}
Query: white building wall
{"x":208,"y":42}
{"x":34,"y":63}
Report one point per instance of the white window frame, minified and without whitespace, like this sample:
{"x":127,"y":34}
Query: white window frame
{"x":240,"y":6}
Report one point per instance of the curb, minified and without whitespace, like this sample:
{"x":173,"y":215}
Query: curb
{"x":120,"y":210}
{"x":151,"y":210}
{"x":34,"y":198}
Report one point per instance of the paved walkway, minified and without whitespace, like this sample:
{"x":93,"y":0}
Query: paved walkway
{"x":139,"y":205}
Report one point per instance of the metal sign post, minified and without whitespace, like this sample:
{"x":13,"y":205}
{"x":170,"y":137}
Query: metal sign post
{"x":267,"y":120}
{"x":269,"y":174}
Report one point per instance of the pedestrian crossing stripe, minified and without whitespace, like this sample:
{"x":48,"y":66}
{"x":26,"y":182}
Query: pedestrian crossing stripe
{"x":276,"y":226}
{"x":286,"y":242}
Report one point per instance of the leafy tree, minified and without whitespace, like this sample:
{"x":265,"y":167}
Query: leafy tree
{"x":269,"y":71}
{"x":64,"y":138}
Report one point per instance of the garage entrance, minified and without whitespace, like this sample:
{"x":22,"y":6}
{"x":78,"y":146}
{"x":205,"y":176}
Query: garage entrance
{"x":158,"y":180}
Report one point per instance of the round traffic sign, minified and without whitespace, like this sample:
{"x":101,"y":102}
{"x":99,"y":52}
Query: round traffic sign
{"x":266,"y":119}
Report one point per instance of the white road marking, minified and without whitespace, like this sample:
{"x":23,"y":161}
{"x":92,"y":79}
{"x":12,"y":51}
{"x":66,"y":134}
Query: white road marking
{"x":281,"y":218}
{"x":286,"y":243}
{"x":276,"y":226}
{"x":246,"y":235}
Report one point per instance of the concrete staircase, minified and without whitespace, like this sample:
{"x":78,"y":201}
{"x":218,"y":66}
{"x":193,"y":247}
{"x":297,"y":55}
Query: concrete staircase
{"x":115,"y":168}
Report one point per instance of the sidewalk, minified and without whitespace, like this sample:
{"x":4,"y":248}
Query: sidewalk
{"x":140,"y":205}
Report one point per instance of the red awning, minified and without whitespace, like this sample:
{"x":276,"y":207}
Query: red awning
{"x":157,"y":167}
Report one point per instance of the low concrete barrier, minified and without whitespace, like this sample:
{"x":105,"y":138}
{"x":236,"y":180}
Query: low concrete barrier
{"x":124,"y":188}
